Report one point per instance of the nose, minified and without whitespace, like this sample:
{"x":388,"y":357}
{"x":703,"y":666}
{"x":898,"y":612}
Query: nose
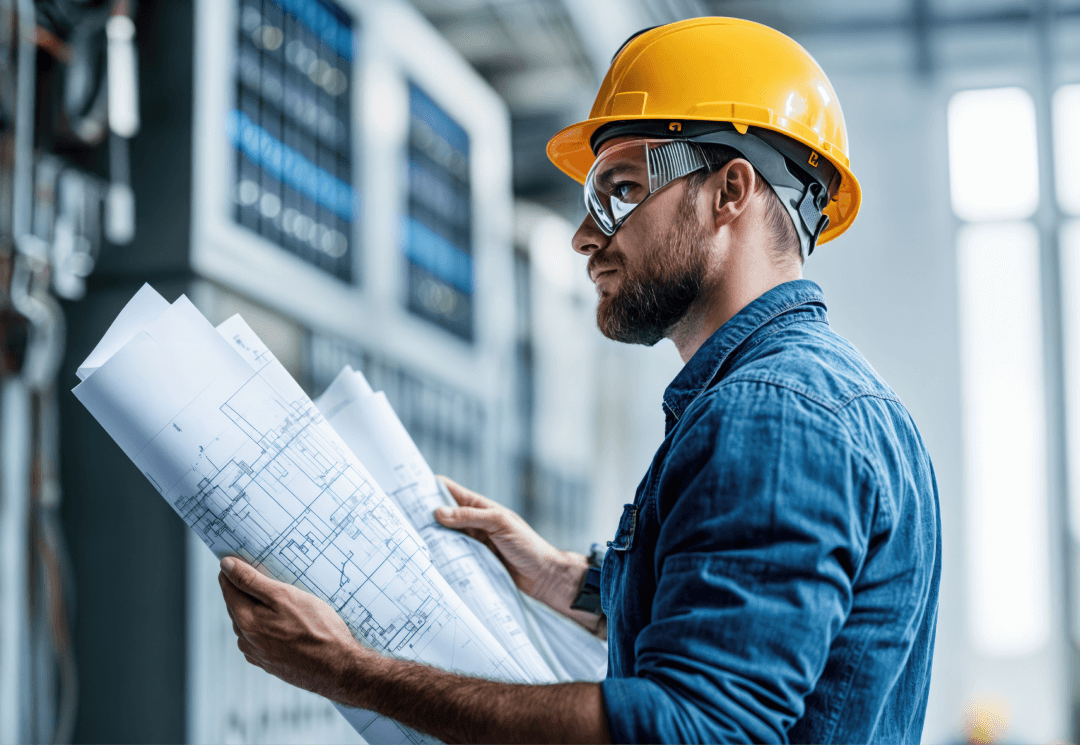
{"x":589,"y":238}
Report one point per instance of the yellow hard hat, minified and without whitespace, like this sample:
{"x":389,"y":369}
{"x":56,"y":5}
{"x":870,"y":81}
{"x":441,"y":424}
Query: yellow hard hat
{"x":721,"y":70}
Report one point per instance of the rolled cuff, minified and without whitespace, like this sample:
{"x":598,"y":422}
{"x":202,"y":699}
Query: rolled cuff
{"x":640,"y":710}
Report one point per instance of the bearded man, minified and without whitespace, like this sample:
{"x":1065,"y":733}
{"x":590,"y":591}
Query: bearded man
{"x":776,"y":577}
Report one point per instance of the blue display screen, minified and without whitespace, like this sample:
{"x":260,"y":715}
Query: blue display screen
{"x":437,"y":230}
{"x":291,"y":130}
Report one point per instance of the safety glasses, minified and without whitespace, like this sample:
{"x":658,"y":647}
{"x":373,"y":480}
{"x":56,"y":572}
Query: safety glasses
{"x":627,"y":174}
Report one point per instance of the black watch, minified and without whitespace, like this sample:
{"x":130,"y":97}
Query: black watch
{"x":588,"y":597}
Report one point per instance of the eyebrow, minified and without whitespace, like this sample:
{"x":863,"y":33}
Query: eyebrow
{"x":608,"y":173}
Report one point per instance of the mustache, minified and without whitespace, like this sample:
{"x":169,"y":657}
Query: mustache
{"x":601,"y":261}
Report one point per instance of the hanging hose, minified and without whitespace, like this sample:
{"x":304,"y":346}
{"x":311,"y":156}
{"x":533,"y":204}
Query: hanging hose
{"x":15,"y":429}
{"x":42,"y":253}
{"x":27,"y":307}
{"x":52,"y":554}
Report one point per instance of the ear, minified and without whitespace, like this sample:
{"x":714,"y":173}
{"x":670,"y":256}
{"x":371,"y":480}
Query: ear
{"x":733,"y":189}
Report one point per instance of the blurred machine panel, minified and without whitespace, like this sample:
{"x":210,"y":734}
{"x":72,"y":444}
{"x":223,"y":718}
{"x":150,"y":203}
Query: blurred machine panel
{"x":291,"y":129}
{"x":352,"y":172}
{"x":275,"y":199}
{"x":447,"y":424}
{"x":438,"y":228}
{"x":558,"y":385}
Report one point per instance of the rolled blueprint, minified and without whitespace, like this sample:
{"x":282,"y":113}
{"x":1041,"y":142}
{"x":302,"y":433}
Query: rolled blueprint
{"x":241,"y":453}
{"x":547,"y":645}
{"x":370,"y":427}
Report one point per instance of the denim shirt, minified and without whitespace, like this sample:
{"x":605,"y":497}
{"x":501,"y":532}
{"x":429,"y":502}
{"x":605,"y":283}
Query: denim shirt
{"x":776,"y":579}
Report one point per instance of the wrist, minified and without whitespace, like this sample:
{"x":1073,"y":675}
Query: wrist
{"x":560,"y":585}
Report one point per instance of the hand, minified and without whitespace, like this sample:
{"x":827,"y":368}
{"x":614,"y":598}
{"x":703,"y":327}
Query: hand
{"x":290,"y":633}
{"x":538,"y":568}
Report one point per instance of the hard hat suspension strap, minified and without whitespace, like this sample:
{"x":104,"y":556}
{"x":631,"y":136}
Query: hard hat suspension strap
{"x":804,"y":198}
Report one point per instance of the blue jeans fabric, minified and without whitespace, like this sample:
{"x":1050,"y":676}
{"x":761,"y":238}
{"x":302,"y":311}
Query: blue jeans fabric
{"x":776,"y":579}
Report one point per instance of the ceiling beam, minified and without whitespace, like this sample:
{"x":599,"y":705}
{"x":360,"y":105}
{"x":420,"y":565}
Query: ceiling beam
{"x":921,"y":18}
{"x":603,"y":25}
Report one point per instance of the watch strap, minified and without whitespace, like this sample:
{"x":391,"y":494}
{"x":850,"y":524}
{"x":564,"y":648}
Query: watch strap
{"x":588,"y":597}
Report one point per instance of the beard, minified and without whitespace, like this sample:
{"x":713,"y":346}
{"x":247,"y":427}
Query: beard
{"x":657,"y":294}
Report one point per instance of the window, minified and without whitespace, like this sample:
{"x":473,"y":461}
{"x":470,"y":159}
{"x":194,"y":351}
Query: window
{"x":987,"y":129}
{"x":1070,"y":298}
{"x":1067,"y":147}
{"x":1005,"y":438}
{"x":1005,"y":451}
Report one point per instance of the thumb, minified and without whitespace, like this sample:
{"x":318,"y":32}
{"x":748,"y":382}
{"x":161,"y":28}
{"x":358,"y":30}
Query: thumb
{"x":248,"y":580}
{"x":470,"y":517}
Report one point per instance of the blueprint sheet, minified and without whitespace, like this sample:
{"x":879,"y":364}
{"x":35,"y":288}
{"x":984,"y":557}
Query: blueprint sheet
{"x":369,"y":426}
{"x":244,"y":457}
{"x":547,"y":645}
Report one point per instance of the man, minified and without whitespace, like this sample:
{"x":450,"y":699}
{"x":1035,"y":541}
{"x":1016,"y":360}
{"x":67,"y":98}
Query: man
{"x":776,"y":577}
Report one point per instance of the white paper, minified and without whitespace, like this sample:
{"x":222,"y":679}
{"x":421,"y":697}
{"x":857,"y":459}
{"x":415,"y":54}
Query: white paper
{"x":372,"y":430}
{"x":141,"y":311}
{"x":244,"y":457}
{"x":571,"y":651}
{"x":347,"y":387}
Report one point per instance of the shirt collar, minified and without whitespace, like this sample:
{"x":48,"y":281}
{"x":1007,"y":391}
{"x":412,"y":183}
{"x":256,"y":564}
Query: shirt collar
{"x":706,"y":363}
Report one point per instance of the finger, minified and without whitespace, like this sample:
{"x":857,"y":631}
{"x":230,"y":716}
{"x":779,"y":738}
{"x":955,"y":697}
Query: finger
{"x":236,"y":627}
{"x":254,"y":661}
{"x":465,"y":497}
{"x":478,"y":535}
{"x":240,"y":605}
{"x":486,"y":520}
{"x":248,"y":580}
{"x":247,"y":647}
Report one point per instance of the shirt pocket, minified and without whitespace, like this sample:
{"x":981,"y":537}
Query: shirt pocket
{"x":624,"y":536}
{"x":615,"y":560}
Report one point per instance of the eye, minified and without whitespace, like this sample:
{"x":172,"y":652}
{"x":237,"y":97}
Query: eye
{"x":622,"y":190}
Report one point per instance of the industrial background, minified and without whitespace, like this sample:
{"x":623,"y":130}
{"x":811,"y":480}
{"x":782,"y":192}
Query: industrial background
{"x":141,"y":142}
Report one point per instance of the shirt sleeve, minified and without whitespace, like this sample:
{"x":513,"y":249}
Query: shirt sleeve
{"x":764,"y":509}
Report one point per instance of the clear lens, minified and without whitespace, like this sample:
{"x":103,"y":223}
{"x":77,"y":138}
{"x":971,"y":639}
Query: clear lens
{"x":625,"y":175}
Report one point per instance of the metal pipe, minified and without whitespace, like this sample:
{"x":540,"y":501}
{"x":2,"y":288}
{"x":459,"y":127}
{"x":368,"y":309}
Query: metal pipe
{"x":14,"y":553}
{"x":24,"y":119}
{"x":15,"y":431}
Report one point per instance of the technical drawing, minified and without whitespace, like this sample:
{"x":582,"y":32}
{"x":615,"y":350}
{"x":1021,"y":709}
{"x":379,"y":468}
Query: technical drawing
{"x":372,"y":430}
{"x":247,"y":460}
{"x":277,"y":487}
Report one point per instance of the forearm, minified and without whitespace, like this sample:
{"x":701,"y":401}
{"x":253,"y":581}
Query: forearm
{"x":560,"y":586}
{"x":456,"y":708}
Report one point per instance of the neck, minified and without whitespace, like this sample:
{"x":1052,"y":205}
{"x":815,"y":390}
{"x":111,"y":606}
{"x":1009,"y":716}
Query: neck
{"x":730,"y":290}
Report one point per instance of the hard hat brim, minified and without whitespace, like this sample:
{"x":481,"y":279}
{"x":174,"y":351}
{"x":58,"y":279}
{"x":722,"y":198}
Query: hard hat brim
{"x":571,"y":152}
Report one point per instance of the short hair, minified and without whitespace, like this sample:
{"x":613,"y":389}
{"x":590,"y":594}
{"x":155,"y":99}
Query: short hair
{"x":785,"y":237}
